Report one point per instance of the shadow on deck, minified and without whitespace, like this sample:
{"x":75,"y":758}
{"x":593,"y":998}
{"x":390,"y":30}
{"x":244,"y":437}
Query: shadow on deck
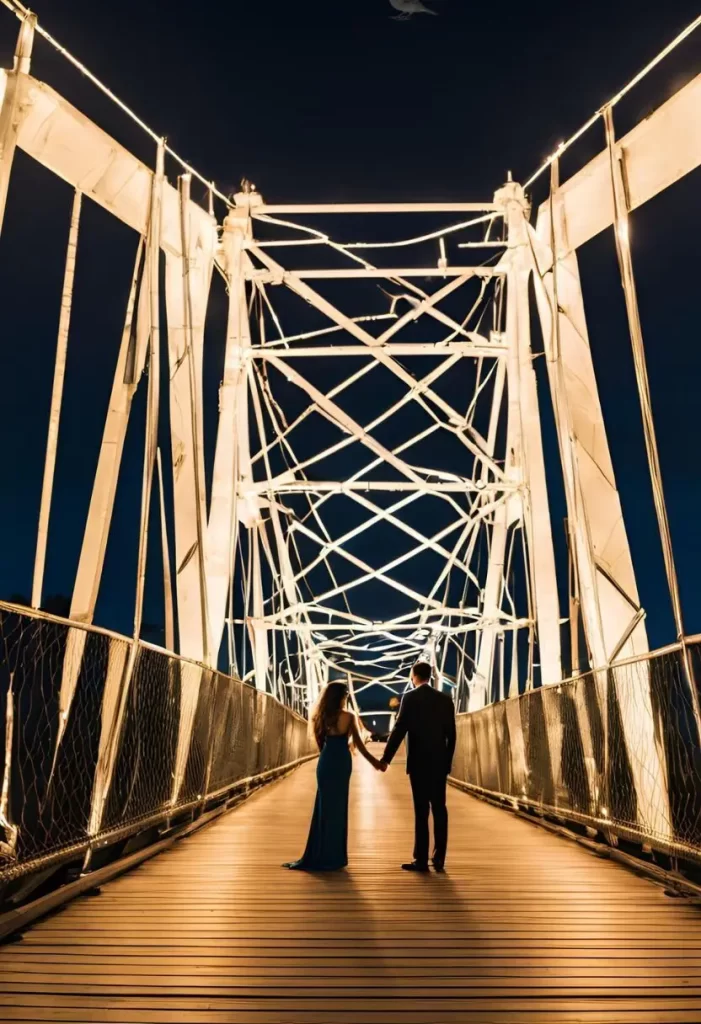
{"x":523,"y":927}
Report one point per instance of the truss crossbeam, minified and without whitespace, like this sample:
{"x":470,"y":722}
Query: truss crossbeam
{"x":388,"y":274}
{"x":264,"y":211}
{"x":385,"y":627}
{"x":464,"y":348}
{"x":273,"y":487}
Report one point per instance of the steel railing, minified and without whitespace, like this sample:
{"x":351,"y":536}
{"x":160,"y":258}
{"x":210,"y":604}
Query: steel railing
{"x":238,"y":735}
{"x":615,"y":749}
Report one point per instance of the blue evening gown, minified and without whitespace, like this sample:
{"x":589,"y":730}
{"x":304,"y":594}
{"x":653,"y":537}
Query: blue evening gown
{"x":327,"y":845}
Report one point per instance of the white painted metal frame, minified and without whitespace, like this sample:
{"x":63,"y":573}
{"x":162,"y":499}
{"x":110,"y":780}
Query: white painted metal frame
{"x":489,"y":487}
{"x":248,"y":521}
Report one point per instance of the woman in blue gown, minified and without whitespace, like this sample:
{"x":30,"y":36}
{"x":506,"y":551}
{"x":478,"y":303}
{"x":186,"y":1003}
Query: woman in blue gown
{"x":335,"y":730}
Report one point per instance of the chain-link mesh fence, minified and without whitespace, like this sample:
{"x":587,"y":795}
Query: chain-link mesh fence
{"x":616,"y":748}
{"x":61,"y":714}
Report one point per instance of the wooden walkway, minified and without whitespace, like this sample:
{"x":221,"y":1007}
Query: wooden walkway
{"x":523,"y":927}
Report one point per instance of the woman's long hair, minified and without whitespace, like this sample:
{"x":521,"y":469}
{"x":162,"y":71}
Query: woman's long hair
{"x":328,"y":707}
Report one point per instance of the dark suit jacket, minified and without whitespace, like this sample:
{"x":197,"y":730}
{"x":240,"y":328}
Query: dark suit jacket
{"x":427,"y":719}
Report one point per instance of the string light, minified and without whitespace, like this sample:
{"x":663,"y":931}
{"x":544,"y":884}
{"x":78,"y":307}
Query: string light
{"x":23,"y":12}
{"x":615,"y":99}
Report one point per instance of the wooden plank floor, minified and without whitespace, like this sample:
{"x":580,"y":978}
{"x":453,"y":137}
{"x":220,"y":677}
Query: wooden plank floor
{"x":523,"y":927}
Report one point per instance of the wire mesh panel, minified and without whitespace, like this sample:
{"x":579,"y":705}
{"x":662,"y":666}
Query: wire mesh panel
{"x":45,"y":786}
{"x":142,"y":778}
{"x":53,"y":745}
{"x":565,"y":749}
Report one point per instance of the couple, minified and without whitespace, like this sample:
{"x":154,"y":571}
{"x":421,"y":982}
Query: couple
{"x":427,"y":719}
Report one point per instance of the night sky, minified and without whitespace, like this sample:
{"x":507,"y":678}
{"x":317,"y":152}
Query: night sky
{"x":336,"y":101}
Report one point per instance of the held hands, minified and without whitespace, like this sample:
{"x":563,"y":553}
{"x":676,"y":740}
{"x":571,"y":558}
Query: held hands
{"x":380,"y":766}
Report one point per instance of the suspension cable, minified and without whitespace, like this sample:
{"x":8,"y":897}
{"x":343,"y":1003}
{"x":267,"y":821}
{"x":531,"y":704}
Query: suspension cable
{"x":23,"y":12}
{"x":614,"y":100}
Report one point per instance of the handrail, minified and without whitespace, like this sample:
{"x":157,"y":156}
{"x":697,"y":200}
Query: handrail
{"x":89,"y":627}
{"x":635,"y":659}
{"x":78,"y":777}
{"x":22,"y":12}
{"x":678,"y":39}
{"x":613,"y":750}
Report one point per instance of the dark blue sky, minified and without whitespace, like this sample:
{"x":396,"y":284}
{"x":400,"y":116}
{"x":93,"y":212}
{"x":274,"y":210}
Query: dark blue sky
{"x":334,"y":100}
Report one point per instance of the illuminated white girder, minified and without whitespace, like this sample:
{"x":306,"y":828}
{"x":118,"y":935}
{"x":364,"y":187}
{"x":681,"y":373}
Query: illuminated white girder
{"x":495,"y":495}
{"x":525,"y":466}
{"x":346,"y":422}
{"x":56,"y":403}
{"x":379,"y":514}
{"x":264,"y":210}
{"x":438,"y":348}
{"x":506,"y":623}
{"x":287,"y":587}
{"x":122,"y":660}
{"x":426,"y":305}
{"x":417,"y":388}
{"x":382,"y":572}
{"x":10,"y":104}
{"x":275,"y":487}
{"x":124,"y":189}
{"x":232,"y":460}
{"x":290,"y":276}
{"x":526,"y":422}
{"x":259,"y":637}
{"x":480,"y":687}
{"x":342,"y":486}
{"x":188,"y":277}
{"x":609,"y":599}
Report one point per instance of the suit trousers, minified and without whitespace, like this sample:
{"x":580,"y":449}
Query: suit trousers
{"x":428,"y":790}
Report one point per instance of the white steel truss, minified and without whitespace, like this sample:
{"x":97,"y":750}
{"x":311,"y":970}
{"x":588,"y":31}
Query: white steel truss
{"x":318,"y":575}
{"x":379,"y":488}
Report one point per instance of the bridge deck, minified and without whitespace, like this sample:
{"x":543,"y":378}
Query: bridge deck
{"x":523,"y":927}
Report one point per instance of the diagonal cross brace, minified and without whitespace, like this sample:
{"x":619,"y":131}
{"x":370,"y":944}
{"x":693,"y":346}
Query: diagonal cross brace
{"x":307,"y":293}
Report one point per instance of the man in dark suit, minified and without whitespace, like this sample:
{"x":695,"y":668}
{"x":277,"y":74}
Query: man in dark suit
{"x":427,"y":719}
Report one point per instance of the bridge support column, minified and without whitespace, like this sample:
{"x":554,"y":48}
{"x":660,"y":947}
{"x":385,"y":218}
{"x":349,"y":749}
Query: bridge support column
{"x":188,"y":278}
{"x":9,"y":111}
{"x":232,"y":457}
{"x":610,"y":605}
{"x":525,"y":465}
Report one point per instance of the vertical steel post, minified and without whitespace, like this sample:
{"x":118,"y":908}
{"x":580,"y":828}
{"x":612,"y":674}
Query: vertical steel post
{"x":10,"y":113}
{"x":122,"y":660}
{"x":525,"y":460}
{"x":56,"y":402}
{"x":610,"y":606}
{"x":232,"y":459}
{"x":167,"y":581}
